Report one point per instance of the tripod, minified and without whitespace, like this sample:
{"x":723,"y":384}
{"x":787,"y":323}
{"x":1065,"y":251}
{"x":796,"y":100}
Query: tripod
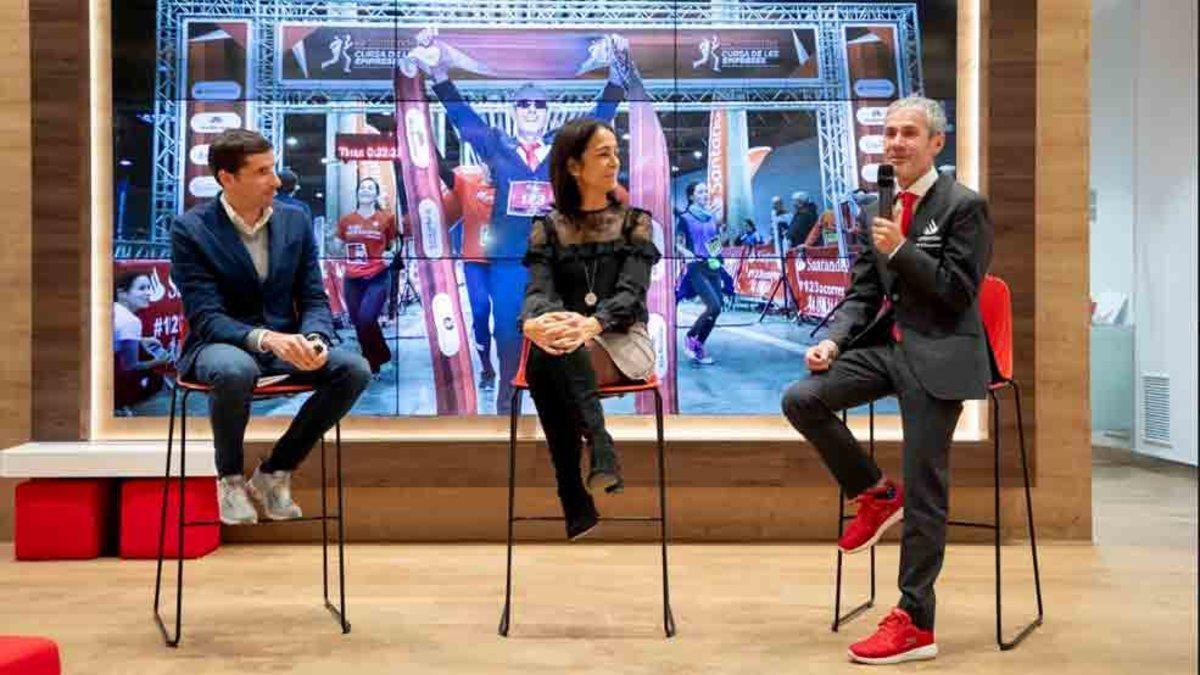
{"x":789,"y":303}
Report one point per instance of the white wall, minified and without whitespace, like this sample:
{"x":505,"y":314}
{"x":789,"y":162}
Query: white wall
{"x":1112,"y":149}
{"x":1144,"y":173}
{"x":1144,"y":178}
{"x":1165,"y":212}
{"x":1111,"y":239}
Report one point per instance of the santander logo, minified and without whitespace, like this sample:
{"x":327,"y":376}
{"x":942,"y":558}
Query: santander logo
{"x":417,"y":136}
{"x":157,"y":290}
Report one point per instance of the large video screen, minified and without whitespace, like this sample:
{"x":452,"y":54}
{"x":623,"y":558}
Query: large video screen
{"x":426,"y":125}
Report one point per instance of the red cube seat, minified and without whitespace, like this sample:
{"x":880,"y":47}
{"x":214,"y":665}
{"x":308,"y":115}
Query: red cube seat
{"x":62,"y":518}
{"x":28,"y":656}
{"x":141,"y":513}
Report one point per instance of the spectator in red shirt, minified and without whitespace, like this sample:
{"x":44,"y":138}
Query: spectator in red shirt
{"x":369,"y":241}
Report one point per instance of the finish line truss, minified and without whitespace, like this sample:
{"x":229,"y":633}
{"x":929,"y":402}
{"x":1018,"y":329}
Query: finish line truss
{"x":826,"y":97}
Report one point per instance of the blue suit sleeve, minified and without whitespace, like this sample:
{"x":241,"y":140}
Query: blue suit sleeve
{"x":606,"y":105}
{"x":471,"y":127}
{"x":197,"y":285}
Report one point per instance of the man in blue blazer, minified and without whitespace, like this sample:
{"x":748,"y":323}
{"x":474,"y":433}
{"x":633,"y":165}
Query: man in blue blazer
{"x":247,"y":270}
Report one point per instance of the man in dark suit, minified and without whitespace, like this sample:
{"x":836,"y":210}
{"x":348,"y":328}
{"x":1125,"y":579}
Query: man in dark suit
{"x":289,"y":184}
{"x":911,"y":327}
{"x":255,"y":304}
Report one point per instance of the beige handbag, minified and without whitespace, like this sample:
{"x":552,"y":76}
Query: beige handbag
{"x":631,"y":351}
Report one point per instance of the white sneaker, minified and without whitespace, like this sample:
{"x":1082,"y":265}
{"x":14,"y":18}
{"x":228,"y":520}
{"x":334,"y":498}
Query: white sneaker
{"x":235,"y":506}
{"x":273,"y":491}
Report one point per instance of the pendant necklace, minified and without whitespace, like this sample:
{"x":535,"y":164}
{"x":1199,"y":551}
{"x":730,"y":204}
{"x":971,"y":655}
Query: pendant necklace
{"x":590,"y":275}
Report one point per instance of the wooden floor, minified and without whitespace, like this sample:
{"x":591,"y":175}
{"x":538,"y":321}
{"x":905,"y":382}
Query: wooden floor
{"x":1126,"y":604}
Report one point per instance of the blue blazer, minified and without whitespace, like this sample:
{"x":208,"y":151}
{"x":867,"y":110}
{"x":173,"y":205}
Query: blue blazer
{"x":223,"y":299}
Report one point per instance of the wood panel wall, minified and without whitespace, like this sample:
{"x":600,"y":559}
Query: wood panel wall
{"x":1034,"y":168}
{"x":1060,"y":311}
{"x":58,"y":34}
{"x":15,"y":286}
{"x":15,"y":375}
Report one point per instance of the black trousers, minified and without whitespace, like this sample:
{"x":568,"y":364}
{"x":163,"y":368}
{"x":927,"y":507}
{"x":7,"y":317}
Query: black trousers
{"x":365,"y":298}
{"x":707,"y":284}
{"x":860,"y":376}
{"x":564,"y":392}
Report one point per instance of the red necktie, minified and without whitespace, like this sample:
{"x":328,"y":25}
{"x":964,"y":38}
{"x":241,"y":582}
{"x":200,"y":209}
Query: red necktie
{"x":530,"y":151}
{"x":908,"y":200}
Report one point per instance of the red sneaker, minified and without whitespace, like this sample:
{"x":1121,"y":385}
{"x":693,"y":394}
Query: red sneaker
{"x":897,"y":640}
{"x":876,"y":513}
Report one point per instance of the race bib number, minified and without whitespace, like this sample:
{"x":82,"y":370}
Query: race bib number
{"x":356,"y":251}
{"x":529,"y":198}
{"x":713,"y":246}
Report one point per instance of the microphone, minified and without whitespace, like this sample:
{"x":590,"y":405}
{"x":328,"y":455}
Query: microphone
{"x":886,"y":180}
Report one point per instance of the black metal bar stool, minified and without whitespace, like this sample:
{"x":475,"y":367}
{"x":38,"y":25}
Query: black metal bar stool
{"x":520,"y":385}
{"x":260,"y":393}
{"x":838,"y":617}
{"x":995,"y":306}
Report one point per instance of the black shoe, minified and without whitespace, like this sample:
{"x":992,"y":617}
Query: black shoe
{"x":605,"y":470}
{"x":579,"y":525}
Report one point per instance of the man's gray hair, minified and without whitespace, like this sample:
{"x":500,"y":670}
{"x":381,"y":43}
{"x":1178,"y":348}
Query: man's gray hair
{"x":935,"y":114}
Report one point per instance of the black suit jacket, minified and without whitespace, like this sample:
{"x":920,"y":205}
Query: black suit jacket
{"x":933,"y":282}
{"x":222,"y":296}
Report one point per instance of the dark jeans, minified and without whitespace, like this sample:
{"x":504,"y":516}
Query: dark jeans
{"x":364,"y":301}
{"x":855,"y":378}
{"x":233,"y":372}
{"x":478,"y":278}
{"x":564,"y":391}
{"x":707,"y":284}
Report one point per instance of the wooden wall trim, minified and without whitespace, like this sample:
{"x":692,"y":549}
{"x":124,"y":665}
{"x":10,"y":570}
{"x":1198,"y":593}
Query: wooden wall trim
{"x":15,"y":149}
{"x":1061,"y":314}
{"x":58,"y":40}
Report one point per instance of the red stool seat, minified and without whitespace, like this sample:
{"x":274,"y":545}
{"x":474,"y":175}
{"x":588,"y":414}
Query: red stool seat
{"x":141,"y":513}
{"x":265,"y":391}
{"x":62,"y":519}
{"x":28,"y":656}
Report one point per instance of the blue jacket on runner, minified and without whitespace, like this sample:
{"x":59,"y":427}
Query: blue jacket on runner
{"x":509,"y":233}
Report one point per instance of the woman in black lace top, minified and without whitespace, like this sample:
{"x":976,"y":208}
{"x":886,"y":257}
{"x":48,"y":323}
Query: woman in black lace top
{"x":585,"y":313}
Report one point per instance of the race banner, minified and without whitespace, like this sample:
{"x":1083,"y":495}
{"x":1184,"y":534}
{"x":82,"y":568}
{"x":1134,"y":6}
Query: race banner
{"x":718,"y":163}
{"x":818,"y":278}
{"x":759,"y":272}
{"x":418,"y":167}
{"x":872,"y":62}
{"x":360,"y":55}
{"x":217,"y":77}
{"x":163,"y":320}
{"x":649,"y":189}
